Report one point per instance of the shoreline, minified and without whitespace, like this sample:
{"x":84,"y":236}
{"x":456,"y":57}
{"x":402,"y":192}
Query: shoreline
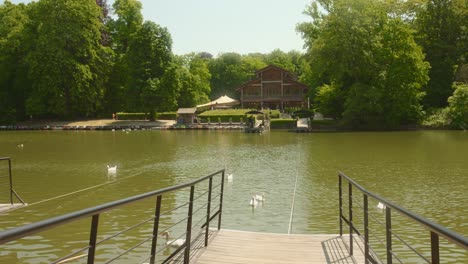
{"x":111,"y":124}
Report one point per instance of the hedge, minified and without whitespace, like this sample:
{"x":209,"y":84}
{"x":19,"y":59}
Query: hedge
{"x":233,"y":115}
{"x":132,"y":116}
{"x":166,"y":116}
{"x":283,"y":123}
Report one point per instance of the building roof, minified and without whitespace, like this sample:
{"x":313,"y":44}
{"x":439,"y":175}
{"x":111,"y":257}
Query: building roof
{"x":186,"y":110}
{"x":291,"y":79}
{"x":222,"y":101}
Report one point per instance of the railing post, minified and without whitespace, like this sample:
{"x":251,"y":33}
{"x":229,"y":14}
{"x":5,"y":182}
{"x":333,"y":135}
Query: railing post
{"x":92,"y":238}
{"x":157,"y":213}
{"x":221,"y":200}
{"x":366,"y":229}
{"x":388,"y":223}
{"x":350,"y":198}
{"x":11,"y":181}
{"x":208,"y":211}
{"x":341,"y":203}
{"x":188,"y":236}
{"x":435,"y":248}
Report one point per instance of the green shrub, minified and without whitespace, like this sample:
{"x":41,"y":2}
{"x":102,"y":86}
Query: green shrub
{"x":166,"y":116}
{"x":458,"y":107}
{"x":224,"y":116}
{"x":273,"y":113}
{"x":439,"y":119}
{"x":303,"y":113}
{"x":132,"y":116}
{"x":283,"y":123}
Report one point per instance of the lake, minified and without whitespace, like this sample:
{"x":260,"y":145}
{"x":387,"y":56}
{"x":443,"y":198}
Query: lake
{"x":425,"y":172}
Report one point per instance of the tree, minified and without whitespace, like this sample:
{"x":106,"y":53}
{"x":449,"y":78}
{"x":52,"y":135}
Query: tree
{"x":280,"y":59}
{"x":195,"y":78}
{"x":227,"y":74}
{"x":66,"y":58}
{"x":160,"y":94}
{"x":458,"y":107}
{"x":129,"y":21}
{"x":14,"y":82}
{"x":149,"y":53}
{"x":369,"y":58}
{"x":442,"y":32}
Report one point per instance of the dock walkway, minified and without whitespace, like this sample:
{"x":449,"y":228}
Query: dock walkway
{"x":229,"y":246}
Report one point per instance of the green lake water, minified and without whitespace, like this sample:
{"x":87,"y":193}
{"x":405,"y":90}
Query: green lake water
{"x":424,"y":171}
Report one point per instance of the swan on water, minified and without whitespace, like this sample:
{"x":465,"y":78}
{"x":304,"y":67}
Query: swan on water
{"x":253,"y":202}
{"x":20,"y":146}
{"x":381,"y":206}
{"x":229,"y":177}
{"x":111,"y":169}
{"x":173,"y":243}
{"x":260,"y":197}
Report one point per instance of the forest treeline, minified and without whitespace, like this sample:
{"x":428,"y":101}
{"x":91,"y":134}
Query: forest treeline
{"x":369,"y":63}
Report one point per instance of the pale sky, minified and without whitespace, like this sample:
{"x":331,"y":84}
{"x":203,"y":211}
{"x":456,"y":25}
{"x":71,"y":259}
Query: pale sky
{"x":219,"y":26}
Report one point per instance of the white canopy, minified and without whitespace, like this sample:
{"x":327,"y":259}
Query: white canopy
{"x":222,"y":101}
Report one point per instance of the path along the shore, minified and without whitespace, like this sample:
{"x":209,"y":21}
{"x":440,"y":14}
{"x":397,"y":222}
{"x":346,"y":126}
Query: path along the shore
{"x":96,"y":123}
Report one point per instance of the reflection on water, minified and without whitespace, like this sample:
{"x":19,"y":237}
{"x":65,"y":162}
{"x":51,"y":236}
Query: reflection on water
{"x":425,"y":172}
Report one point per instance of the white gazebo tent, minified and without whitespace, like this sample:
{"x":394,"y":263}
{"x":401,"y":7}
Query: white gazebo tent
{"x":223,"y":101}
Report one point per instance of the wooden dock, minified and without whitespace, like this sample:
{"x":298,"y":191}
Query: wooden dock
{"x":229,"y":246}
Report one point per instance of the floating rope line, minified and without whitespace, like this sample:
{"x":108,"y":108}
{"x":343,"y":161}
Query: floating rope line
{"x":75,"y":192}
{"x":294,"y":197}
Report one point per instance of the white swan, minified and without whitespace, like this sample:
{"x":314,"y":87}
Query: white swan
{"x":381,"y":206}
{"x":111,"y":169}
{"x":260,"y":197}
{"x":253,"y":202}
{"x":173,"y":243}
{"x":230,"y":177}
{"x":20,"y":146}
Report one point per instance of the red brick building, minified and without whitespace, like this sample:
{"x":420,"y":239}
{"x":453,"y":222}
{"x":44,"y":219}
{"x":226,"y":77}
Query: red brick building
{"x":273,"y":88}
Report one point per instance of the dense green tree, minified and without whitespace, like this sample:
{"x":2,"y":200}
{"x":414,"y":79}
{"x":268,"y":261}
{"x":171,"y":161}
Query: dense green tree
{"x":149,"y":52}
{"x":195,"y":78}
{"x":458,"y":107}
{"x":128,"y":22}
{"x":160,"y":94}
{"x":66,"y":58}
{"x":371,"y":59}
{"x":230,"y":70}
{"x":227,"y":74}
{"x":280,"y":59}
{"x":14,"y":82}
{"x":442,"y":32}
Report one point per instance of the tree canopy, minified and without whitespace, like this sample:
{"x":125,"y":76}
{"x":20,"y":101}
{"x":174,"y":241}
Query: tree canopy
{"x":371,"y":63}
{"x":366,"y":64}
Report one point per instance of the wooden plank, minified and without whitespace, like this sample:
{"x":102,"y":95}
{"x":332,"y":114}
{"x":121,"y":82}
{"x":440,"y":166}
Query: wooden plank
{"x":236,"y":247}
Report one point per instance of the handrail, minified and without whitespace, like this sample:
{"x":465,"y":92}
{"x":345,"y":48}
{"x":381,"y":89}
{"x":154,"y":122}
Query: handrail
{"x":436,"y":230}
{"x":12,"y":191}
{"x":94,"y":212}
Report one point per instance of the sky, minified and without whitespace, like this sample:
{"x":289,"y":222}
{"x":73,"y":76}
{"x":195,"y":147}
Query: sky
{"x":220,"y":26}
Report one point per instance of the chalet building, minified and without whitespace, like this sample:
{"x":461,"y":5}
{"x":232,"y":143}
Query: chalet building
{"x":273,"y":88}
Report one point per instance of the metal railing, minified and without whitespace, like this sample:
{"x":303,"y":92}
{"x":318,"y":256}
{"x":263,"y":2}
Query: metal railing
{"x":13,"y":193}
{"x":95,"y":212}
{"x":435,"y":230}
